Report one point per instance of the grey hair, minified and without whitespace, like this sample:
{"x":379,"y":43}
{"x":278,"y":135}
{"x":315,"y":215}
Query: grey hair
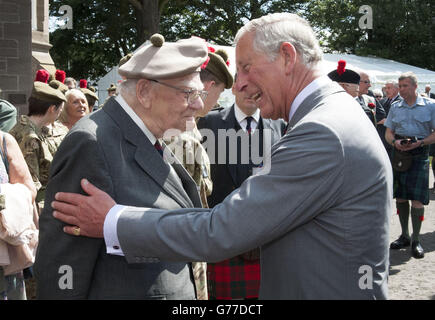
{"x":272,"y":30}
{"x":409,"y":75}
{"x":393,"y":82}
{"x":128,"y":87}
{"x":75,"y":91}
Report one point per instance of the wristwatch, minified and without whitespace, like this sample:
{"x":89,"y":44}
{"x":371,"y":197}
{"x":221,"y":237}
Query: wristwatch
{"x":422,"y":143}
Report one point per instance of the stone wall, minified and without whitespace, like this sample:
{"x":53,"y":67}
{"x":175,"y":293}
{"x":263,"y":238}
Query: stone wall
{"x":16,"y":52}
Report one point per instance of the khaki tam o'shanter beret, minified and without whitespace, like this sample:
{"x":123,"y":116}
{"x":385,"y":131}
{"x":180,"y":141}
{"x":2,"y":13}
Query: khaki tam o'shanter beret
{"x":218,"y":65}
{"x":45,"y":92}
{"x":56,"y":84}
{"x":90,"y":93}
{"x":165,"y":60}
{"x":112,"y":87}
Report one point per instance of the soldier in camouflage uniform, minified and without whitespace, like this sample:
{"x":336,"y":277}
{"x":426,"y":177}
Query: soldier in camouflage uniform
{"x":216,"y":77}
{"x":31,"y":133}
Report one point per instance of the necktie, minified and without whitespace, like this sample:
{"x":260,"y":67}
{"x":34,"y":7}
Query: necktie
{"x":158,"y":147}
{"x":248,"y":124}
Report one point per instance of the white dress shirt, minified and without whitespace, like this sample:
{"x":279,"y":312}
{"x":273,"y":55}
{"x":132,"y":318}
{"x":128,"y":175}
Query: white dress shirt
{"x":241,"y":118}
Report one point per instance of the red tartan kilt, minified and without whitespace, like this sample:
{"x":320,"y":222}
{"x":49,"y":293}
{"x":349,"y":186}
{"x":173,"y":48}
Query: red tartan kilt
{"x":235,"y":278}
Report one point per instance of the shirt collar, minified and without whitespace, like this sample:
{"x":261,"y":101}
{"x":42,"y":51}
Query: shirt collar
{"x":240,"y":115}
{"x":309,"y":89}
{"x":135,"y":118}
{"x":418,"y":102}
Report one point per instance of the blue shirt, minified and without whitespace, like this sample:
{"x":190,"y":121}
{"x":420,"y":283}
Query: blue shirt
{"x":417,"y":120}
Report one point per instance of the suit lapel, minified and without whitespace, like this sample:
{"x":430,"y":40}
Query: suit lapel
{"x":147,"y":156}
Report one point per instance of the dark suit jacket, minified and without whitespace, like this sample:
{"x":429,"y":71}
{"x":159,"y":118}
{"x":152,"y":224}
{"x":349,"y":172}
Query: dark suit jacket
{"x":111,"y":151}
{"x":227,"y":177}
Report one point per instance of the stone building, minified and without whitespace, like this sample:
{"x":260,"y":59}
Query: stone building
{"x":24,"y":48}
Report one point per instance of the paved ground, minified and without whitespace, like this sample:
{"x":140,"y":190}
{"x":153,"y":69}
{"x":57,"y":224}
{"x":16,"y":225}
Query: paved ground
{"x":414,"y":279}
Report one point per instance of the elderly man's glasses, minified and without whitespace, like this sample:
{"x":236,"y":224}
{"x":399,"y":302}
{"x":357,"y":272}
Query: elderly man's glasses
{"x":366,"y":81}
{"x":191,"y":94}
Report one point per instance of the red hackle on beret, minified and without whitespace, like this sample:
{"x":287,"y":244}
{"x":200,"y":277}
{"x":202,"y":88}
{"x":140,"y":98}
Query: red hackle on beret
{"x":42,"y":75}
{"x":83,"y":83}
{"x":60,"y":75}
{"x":341,"y":68}
{"x":211,"y":49}
{"x":204,"y":65}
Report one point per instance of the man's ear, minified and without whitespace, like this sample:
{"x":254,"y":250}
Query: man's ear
{"x":143,"y":88}
{"x":289,"y":55}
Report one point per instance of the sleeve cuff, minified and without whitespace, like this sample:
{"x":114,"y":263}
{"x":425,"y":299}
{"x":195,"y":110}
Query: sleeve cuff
{"x":110,"y":230}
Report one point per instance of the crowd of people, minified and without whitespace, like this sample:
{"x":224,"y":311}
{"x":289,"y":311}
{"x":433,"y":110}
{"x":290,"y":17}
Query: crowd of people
{"x":107,"y":193}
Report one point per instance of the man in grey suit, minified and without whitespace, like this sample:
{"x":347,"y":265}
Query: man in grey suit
{"x":321,"y":214}
{"x":118,"y":149}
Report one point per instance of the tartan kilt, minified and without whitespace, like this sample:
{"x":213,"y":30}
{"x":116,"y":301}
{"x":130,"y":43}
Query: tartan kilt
{"x":414,"y":183}
{"x":235,"y":278}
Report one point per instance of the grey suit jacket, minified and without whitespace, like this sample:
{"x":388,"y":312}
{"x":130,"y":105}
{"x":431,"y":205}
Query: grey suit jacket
{"x":110,"y":150}
{"x":321,"y":216}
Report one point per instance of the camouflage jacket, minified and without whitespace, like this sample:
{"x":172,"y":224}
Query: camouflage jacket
{"x":37,"y":150}
{"x":194,"y":159}
{"x":56,"y":132}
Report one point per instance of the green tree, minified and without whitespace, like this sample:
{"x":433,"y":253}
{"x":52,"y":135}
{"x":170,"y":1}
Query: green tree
{"x":103,"y":32}
{"x":403,"y":30}
{"x":217,"y":21}
{"x":100,"y":36}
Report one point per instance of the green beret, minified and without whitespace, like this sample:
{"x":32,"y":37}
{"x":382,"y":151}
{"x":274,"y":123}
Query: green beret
{"x":56,"y":84}
{"x":44,"y":92}
{"x":89,"y":93}
{"x":217,"y":65}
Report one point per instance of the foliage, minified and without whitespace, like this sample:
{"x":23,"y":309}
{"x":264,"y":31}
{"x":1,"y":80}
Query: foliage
{"x":216,"y":21}
{"x":403,"y":30}
{"x":105,"y":30}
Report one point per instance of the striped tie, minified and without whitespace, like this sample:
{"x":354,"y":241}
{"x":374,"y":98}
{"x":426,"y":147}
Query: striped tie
{"x":158,"y":147}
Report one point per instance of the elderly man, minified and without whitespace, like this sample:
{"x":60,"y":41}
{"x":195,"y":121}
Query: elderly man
{"x":320,"y":214}
{"x":118,"y":149}
{"x":373,"y":108}
{"x":392,"y":95}
{"x":410,"y":125}
{"x":427,"y":91}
